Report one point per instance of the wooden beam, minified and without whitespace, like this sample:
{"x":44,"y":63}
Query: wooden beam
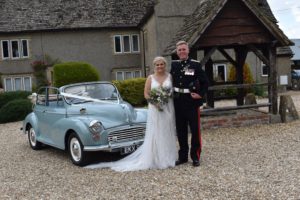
{"x":265,"y":50}
{"x":273,"y":79}
{"x":241,"y":54}
{"x":210,"y":75}
{"x":207,"y":56}
{"x":227,"y":56}
{"x":259,"y":54}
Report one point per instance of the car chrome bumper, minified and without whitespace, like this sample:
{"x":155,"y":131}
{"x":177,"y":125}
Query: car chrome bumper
{"x":111,"y":147}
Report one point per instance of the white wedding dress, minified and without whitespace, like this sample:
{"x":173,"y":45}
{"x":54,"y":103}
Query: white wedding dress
{"x":159,"y":149}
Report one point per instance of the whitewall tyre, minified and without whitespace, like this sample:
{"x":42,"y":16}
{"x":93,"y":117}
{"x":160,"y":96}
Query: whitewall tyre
{"x":34,"y":144}
{"x":75,"y":149}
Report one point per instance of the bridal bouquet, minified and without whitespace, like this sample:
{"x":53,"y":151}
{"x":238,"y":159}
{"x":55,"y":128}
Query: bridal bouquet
{"x":160,"y":96}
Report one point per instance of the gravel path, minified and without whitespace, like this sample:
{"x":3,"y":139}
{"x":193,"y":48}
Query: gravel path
{"x":257,"y":162}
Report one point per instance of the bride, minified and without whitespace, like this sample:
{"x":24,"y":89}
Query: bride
{"x":159,"y":149}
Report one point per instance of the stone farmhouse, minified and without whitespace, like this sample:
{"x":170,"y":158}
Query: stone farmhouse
{"x":121,"y":37}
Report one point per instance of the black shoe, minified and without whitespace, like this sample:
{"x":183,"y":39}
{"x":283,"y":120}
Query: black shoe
{"x":179,"y":162}
{"x":196,"y":163}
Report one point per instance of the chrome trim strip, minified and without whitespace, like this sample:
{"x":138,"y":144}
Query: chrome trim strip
{"x":110,"y":147}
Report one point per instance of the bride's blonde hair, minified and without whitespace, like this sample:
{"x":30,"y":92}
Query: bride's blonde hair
{"x":159,"y":58}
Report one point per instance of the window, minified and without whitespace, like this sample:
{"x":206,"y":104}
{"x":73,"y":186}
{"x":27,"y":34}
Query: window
{"x":135,"y":43}
{"x":8,"y":84}
{"x":119,"y":76}
{"x":220,"y":73}
{"x":126,"y":43}
{"x":123,"y":75}
{"x":15,"y":52}
{"x":25,"y":53}
{"x":17,"y":83}
{"x":128,"y":75}
{"x":27,"y":83}
{"x":118,"y":47}
{"x":264,"y":70}
{"x":14,"y":49}
{"x":5,"y":49}
{"x":137,"y":74}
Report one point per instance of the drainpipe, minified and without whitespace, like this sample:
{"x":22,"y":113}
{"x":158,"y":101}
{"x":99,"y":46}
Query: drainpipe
{"x":144,"y":55}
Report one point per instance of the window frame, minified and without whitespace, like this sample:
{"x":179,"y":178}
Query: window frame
{"x":11,"y":49}
{"x":216,"y":71}
{"x":13,"y":83}
{"x":262,"y":70}
{"x":140,"y":73}
{"x":133,"y":74}
{"x":22,"y":48}
{"x":120,"y":37}
{"x":122,"y":72}
{"x":138,"y":43}
{"x":122,"y":43}
{"x":2,"y":50}
{"x":129,"y":44}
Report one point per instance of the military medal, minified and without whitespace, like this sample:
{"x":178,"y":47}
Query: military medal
{"x":189,"y":72}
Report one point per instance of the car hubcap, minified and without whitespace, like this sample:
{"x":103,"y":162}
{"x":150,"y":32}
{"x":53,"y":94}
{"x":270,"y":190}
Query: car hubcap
{"x":32,"y":137}
{"x":75,"y":149}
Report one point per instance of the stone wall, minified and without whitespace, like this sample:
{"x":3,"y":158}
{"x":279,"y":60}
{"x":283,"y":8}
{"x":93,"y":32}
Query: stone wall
{"x":239,"y":118}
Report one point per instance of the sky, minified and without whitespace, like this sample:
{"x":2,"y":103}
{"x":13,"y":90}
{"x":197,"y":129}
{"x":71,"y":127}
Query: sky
{"x":287,"y":13}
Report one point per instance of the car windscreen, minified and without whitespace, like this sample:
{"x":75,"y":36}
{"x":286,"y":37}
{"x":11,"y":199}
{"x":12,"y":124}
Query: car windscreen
{"x":88,"y":92}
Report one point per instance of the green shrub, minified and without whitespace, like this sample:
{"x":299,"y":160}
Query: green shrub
{"x":9,"y":96}
{"x":225,"y":93}
{"x":74,"y":72}
{"x":260,"y":90}
{"x":15,"y":110}
{"x":132,"y":90}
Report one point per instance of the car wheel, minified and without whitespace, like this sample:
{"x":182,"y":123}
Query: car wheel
{"x":75,"y":148}
{"x":34,"y":144}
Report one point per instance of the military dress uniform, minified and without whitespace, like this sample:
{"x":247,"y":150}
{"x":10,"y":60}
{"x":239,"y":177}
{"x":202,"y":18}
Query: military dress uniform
{"x":188,"y":75}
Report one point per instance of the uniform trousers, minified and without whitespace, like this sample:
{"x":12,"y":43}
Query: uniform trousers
{"x":187,"y":112}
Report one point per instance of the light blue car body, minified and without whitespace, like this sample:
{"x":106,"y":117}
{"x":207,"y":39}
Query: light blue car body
{"x":54,"y":119}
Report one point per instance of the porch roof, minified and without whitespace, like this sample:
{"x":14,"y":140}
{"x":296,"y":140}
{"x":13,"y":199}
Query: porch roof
{"x":207,"y":10}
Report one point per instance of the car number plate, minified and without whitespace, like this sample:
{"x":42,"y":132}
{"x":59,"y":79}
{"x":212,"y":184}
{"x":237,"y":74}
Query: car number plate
{"x":129,"y":149}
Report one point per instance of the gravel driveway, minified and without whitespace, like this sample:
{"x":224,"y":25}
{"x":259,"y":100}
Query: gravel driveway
{"x":257,"y":162}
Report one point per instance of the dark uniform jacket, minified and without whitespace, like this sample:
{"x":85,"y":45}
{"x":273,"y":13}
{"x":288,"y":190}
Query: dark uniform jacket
{"x":188,"y":74}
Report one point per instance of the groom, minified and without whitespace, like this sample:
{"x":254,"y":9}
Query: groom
{"x":190,"y":85}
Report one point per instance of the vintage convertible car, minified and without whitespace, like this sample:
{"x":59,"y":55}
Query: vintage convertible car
{"x":84,"y":117}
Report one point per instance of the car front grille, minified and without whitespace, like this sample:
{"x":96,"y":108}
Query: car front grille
{"x":131,"y":133}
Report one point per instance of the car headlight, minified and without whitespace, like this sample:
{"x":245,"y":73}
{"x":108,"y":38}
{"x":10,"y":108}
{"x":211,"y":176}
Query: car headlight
{"x":96,"y":128}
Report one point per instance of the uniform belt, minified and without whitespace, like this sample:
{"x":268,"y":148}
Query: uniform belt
{"x":181,"y":90}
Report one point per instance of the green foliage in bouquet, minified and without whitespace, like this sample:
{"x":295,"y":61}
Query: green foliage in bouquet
{"x":15,"y":110}
{"x":132,"y":91}
{"x":159,"y":97}
{"x":74,"y":72}
{"x":6,"y":97}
